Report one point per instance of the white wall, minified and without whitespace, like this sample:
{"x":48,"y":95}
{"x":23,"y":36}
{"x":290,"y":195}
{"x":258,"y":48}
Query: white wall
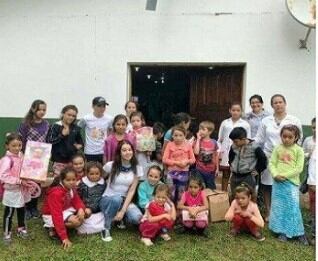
{"x":70,"y":51}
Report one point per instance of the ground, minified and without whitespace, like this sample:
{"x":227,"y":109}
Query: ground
{"x":126,"y":246}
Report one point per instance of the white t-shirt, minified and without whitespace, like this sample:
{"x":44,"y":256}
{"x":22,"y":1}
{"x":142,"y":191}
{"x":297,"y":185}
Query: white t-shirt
{"x":122,"y":181}
{"x":95,"y":132}
{"x":309,"y":146}
{"x":312,"y":169}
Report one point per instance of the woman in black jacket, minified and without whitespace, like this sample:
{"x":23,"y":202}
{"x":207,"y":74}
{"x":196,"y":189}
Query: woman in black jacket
{"x":65,"y":137}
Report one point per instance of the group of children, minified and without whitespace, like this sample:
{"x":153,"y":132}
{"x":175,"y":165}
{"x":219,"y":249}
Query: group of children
{"x":168,"y":183}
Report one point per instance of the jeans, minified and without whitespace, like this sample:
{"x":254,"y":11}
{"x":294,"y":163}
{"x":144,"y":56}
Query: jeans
{"x":110,"y":205}
{"x":208,"y":179}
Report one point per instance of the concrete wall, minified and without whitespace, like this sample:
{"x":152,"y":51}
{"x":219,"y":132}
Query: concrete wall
{"x":70,"y":51}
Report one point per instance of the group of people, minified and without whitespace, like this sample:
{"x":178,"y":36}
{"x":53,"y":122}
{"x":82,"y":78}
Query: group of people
{"x":112,"y":183}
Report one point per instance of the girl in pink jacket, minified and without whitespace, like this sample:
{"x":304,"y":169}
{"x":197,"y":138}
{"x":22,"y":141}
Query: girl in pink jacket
{"x":15,"y":190}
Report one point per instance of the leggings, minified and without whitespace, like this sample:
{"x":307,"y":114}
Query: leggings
{"x":7,"y":218}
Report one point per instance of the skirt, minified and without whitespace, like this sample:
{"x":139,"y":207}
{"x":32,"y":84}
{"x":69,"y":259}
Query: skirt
{"x":93,"y":224}
{"x":285,"y":216}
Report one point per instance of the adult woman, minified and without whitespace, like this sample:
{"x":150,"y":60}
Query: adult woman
{"x":254,"y":118}
{"x":65,"y":137}
{"x":121,"y":186}
{"x":268,"y":135}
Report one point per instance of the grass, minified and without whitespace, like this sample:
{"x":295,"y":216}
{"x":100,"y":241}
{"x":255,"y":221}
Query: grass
{"x":126,"y":246}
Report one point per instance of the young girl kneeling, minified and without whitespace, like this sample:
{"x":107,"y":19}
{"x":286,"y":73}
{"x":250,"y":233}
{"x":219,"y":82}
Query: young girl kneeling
{"x":244,"y":213}
{"x":159,"y":216}
{"x":194,"y":206}
{"x":62,"y":207}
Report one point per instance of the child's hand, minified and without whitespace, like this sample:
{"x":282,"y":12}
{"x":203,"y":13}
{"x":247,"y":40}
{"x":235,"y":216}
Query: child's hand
{"x":246,"y":214}
{"x":78,"y":146}
{"x":80,"y":214}
{"x":254,"y":173}
{"x":198,"y":136}
{"x":66,"y":243}
{"x":167,"y":216}
{"x":88,"y":212}
{"x":26,"y":183}
{"x":280,"y":178}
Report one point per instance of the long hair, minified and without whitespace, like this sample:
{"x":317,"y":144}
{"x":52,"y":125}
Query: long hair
{"x":117,"y":163}
{"x":292,"y":128}
{"x":29,"y":117}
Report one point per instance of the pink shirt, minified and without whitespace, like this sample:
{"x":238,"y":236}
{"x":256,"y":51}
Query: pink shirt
{"x":191,"y":201}
{"x":177,"y":153}
{"x":10,"y":167}
{"x":111,"y":145}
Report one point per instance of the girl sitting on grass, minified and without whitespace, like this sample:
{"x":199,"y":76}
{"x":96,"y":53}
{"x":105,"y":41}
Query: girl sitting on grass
{"x":244,"y":213}
{"x":159,"y":216}
{"x":62,"y":207}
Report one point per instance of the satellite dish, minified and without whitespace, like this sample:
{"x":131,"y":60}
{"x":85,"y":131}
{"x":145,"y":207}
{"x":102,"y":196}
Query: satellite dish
{"x":151,"y":5}
{"x":303,"y":11}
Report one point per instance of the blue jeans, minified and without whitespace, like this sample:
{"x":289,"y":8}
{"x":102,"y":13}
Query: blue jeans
{"x":208,"y":179}
{"x":111,"y":205}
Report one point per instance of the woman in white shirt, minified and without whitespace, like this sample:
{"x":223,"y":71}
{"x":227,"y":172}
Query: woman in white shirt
{"x":123,"y":175}
{"x":268,"y":136}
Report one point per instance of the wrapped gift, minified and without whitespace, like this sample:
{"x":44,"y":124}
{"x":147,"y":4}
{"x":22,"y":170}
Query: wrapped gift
{"x":36,"y":161}
{"x":145,"y":140}
{"x":218,"y":204}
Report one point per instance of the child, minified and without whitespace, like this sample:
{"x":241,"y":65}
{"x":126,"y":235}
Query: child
{"x":96,"y":126}
{"x":15,"y":194}
{"x":66,"y":139}
{"x":205,"y":149}
{"x":181,"y":119}
{"x":137,"y":121}
{"x":119,"y":127}
{"x":91,"y":189}
{"x":244,"y":213}
{"x":116,"y":203}
{"x":62,"y":207}
{"x":78,"y":164}
{"x":158,"y":132}
{"x":178,"y":156}
{"x":309,"y":143}
{"x":246,"y":159}
{"x":146,"y":188}
{"x":224,"y":141}
{"x":34,"y":128}
{"x":194,"y":206}
{"x":130,"y":107}
{"x":159,"y":216}
{"x":286,"y":164}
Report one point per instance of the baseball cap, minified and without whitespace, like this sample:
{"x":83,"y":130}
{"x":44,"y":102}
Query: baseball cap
{"x":99,"y":101}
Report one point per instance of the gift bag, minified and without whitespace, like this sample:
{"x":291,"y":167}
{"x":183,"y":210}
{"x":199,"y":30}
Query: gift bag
{"x":36,"y":161}
{"x":145,"y":141}
{"x":218,"y":204}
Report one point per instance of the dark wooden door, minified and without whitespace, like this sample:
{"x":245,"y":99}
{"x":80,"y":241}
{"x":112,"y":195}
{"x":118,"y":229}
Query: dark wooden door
{"x":212,"y":92}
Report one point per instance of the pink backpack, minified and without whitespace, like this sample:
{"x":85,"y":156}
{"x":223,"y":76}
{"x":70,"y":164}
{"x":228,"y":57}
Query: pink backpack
{"x":1,"y":184}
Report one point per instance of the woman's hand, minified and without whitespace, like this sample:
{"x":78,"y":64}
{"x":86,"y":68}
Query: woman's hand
{"x":119,"y":216}
{"x":66,"y":243}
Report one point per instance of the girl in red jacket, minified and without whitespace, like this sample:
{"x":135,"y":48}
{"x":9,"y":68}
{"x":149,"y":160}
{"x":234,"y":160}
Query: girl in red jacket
{"x":63,"y":207}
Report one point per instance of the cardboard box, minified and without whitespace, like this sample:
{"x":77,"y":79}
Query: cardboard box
{"x":218,"y":204}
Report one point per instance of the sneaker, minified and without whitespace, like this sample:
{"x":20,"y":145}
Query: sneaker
{"x":165,"y":237}
{"x":7,"y":239}
{"x":23,"y":233}
{"x":35,"y":213}
{"x":52,"y":233}
{"x":234,"y":232}
{"x":146,"y":241}
{"x":106,"y":235}
{"x":205,"y":233}
{"x":282,"y":238}
{"x":303,"y":240}
{"x":121,"y":225}
{"x":259,"y":237}
{"x":28,"y":214}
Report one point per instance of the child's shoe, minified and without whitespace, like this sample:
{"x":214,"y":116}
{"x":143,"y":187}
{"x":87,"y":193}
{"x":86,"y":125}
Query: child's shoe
{"x":35,"y":213}
{"x":303,"y":240}
{"x":282,"y":238}
{"x":165,"y":237}
{"x":28,"y":214}
{"x":121,"y":225}
{"x":146,"y":241}
{"x":204,"y":232}
{"x":7,"y":239}
{"x":22,"y":233}
{"x":106,"y":235}
{"x":234,"y":232}
{"x":259,"y":237}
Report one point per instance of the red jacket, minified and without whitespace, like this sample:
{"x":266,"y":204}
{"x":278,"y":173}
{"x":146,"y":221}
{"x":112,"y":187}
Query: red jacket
{"x":56,"y":201}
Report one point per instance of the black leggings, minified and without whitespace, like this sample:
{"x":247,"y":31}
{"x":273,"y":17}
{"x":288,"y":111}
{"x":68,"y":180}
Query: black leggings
{"x":7,"y":218}
{"x":32,"y":204}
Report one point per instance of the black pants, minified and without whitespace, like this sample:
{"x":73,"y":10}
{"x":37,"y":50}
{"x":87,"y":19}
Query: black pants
{"x":237,"y":179}
{"x":96,"y":158}
{"x":32,"y":204}
{"x":7,"y":218}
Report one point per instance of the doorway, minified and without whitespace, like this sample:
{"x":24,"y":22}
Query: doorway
{"x":203,"y":91}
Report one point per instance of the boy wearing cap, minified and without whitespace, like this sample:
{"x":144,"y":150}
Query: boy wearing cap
{"x":96,"y":126}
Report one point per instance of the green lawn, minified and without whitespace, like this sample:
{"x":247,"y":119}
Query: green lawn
{"x":126,"y":246}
